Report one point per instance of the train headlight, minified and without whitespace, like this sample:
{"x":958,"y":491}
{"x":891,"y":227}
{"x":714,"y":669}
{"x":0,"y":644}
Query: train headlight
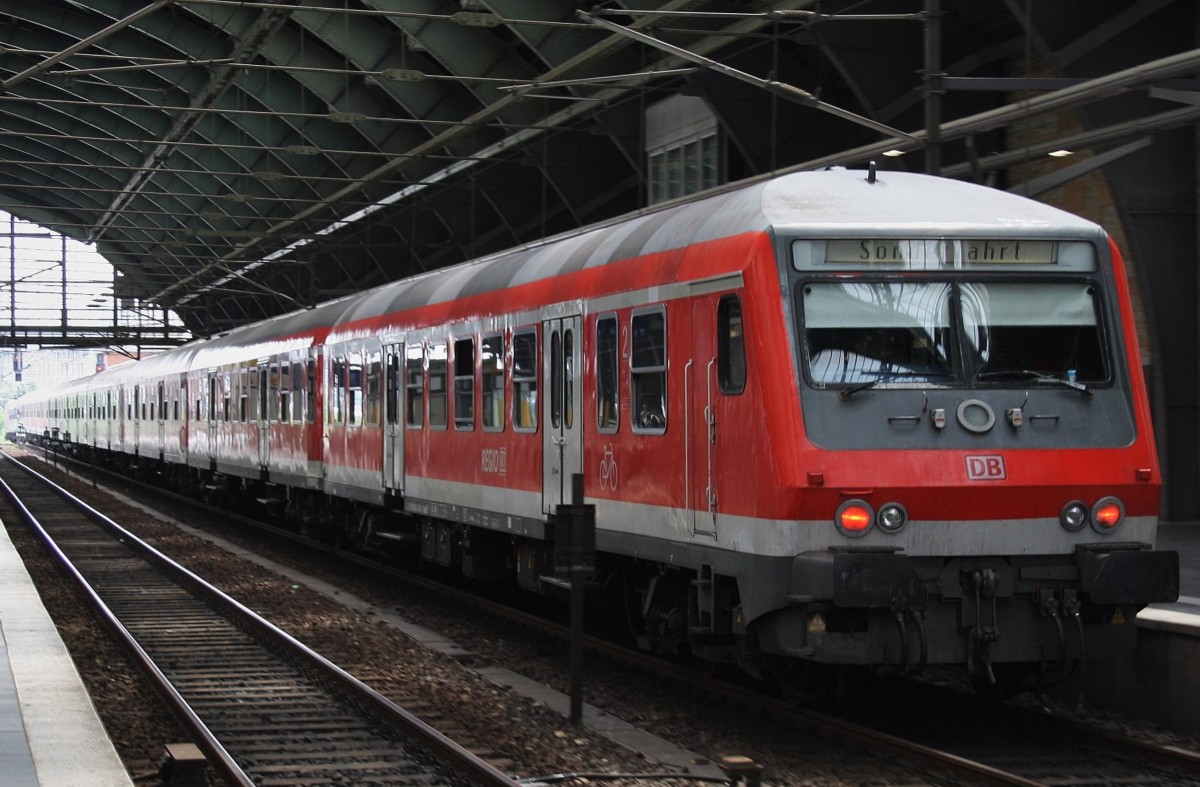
{"x":1107,"y":514}
{"x":892,"y":518}
{"x":854,"y":518}
{"x":1074,"y":515}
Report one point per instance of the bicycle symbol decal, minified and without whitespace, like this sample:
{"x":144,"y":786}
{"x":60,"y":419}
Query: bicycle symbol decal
{"x":608,"y":469}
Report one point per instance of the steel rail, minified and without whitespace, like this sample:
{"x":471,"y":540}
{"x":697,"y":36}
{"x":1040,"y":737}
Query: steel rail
{"x":465,"y":762}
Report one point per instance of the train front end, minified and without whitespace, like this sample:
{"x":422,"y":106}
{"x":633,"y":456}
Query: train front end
{"x":977,"y":478}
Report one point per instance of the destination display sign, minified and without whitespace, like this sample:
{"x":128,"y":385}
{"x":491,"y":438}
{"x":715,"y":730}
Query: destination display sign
{"x":918,"y":253}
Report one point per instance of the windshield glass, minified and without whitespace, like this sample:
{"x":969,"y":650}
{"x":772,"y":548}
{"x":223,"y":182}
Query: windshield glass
{"x":953,"y":333}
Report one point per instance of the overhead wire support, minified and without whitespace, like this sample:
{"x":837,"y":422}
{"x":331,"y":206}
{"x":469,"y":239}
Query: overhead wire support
{"x":781,"y":89}
{"x":82,"y":44}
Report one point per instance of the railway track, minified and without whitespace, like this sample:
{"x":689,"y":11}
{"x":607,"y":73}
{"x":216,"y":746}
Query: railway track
{"x":971,"y":740}
{"x":263,"y":708}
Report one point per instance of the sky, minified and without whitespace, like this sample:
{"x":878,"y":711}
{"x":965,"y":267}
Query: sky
{"x":32,"y":260}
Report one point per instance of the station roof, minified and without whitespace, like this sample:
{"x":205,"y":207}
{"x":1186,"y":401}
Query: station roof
{"x":238,"y":160}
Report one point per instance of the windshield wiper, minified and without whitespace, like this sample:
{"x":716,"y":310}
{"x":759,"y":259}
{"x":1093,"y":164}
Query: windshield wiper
{"x":1039,"y":377}
{"x":850,"y":390}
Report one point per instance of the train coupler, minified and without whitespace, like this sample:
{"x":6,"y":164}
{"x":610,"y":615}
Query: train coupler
{"x":984,"y":632}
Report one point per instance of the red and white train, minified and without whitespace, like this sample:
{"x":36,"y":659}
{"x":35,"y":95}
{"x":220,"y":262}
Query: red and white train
{"x":827,"y":417}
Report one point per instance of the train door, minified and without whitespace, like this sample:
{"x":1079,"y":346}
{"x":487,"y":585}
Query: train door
{"x":714,"y":374}
{"x":393,"y":417}
{"x":700,"y":427}
{"x":161,"y":417}
{"x":264,"y":413}
{"x":562,"y":413}
{"x":181,"y":419}
{"x":106,"y":432}
{"x":119,"y":417}
{"x":135,"y":440}
{"x":213,"y":408}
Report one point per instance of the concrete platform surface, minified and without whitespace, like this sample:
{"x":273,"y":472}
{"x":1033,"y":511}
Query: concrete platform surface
{"x":50,"y":735}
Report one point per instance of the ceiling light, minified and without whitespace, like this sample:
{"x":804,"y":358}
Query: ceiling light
{"x":1061,"y":153}
{"x":893,"y":153}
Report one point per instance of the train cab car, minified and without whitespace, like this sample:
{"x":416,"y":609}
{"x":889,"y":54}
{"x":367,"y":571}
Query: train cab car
{"x":977,"y":479}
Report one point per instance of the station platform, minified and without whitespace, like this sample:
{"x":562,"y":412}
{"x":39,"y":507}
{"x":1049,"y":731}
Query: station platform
{"x":1184,"y":538}
{"x":50,"y":735}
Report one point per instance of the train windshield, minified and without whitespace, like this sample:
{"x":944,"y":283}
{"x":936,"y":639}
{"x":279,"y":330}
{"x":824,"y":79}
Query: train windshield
{"x":905,"y":333}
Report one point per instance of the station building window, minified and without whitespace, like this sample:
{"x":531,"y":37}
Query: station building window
{"x":683,"y":152}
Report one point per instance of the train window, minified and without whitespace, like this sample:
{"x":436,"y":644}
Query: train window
{"x":439,"y":401}
{"x":556,"y":380}
{"x":244,"y":395}
{"x":881,"y":332}
{"x":897,"y":333}
{"x":337,"y":391}
{"x":464,"y":384}
{"x":731,"y":346}
{"x":492,"y":360}
{"x":284,"y":375}
{"x":524,"y":378}
{"x":568,"y":378}
{"x":180,"y":399}
{"x":606,"y":374}
{"x":354,"y":388}
{"x":1020,"y":331}
{"x":392,"y":404}
{"x":262,"y":380}
{"x":374,"y":370}
{"x":310,"y":391}
{"x":414,"y":371}
{"x":162,"y":401}
{"x":648,"y":371}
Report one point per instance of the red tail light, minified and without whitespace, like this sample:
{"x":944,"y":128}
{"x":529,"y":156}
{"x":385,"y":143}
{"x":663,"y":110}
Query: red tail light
{"x":1107,"y":514}
{"x":854,"y":518}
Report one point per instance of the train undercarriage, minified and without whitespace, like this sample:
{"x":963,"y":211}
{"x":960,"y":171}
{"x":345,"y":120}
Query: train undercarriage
{"x":1000,"y":618}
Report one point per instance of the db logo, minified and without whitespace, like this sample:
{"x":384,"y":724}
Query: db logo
{"x":985,"y":468}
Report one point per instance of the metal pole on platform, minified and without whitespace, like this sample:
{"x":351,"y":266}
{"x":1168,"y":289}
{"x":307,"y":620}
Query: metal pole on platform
{"x":578,"y":579}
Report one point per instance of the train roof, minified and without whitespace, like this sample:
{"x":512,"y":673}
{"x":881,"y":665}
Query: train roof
{"x":821,"y":203}
{"x":906,"y":204}
{"x":818,"y":203}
